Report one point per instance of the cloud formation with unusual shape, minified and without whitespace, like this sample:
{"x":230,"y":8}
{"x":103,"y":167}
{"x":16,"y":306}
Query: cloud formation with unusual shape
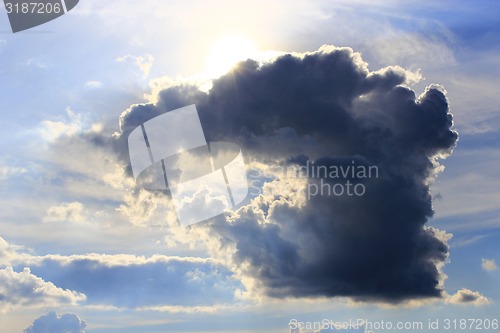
{"x":327,"y":107}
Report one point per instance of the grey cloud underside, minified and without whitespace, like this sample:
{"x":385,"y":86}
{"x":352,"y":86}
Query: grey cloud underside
{"x":324,"y":106}
{"x":53,"y":323}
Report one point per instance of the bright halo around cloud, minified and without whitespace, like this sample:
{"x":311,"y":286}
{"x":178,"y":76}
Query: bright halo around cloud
{"x":226,"y":52}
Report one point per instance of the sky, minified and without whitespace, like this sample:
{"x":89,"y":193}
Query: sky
{"x":407,"y":88}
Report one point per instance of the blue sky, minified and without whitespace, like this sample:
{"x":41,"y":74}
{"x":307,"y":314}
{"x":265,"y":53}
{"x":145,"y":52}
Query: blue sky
{"x":77,"y":239}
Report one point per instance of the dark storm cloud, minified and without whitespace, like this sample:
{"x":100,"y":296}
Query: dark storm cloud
{"x":324,"y":107}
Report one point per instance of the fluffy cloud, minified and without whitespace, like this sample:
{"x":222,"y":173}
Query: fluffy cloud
{"x":54,"y":323}
{"x":489,"y":264}
{"x":468,"y":297}
{"x":326,"y":108}
{"x":23,"y":289}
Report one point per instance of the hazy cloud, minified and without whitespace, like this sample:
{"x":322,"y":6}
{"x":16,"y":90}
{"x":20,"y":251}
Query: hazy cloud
{"x":93,"y":84}
{"x":143,"y":62}
{"x":53,"y":129}
{"x":36,"y":63}
{"x":8,"y":171}
{"x":489,"y":264}
{"x":72,"y":212}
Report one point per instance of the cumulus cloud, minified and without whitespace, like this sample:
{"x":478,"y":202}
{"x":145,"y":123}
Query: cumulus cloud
{"x":24,"y":289}
{"x":54,"y":323}
{"x":468,"y":297}
{"x":489,"y":264}
{"x":329,"y":109}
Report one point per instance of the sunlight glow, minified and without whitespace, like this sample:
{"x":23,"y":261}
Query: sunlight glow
{"x":226,"y":52}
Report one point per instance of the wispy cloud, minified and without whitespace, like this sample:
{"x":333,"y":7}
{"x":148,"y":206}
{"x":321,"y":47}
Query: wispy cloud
{"x":9,"y":171}
{"x":32,"y":62}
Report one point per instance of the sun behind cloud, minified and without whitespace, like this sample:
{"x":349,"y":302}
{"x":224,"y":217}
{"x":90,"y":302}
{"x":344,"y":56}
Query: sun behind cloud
{"x":226,"y":52}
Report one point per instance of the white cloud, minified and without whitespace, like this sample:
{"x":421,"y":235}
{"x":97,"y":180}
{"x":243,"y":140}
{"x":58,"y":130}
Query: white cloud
{"x":145,"y":208}
{"x":7,"y":252}
{"x":67,"y":212}
{"x":175,"y":309}
{"x":143,"y":62}
{"x":23,"y":289}
{"x":52,"y":130}
{"x":54,"y":323}
{"x":93,"y":84}
{"x":489,"y":264}
{"x":8,"y":171}
{"x":468,"y":297}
